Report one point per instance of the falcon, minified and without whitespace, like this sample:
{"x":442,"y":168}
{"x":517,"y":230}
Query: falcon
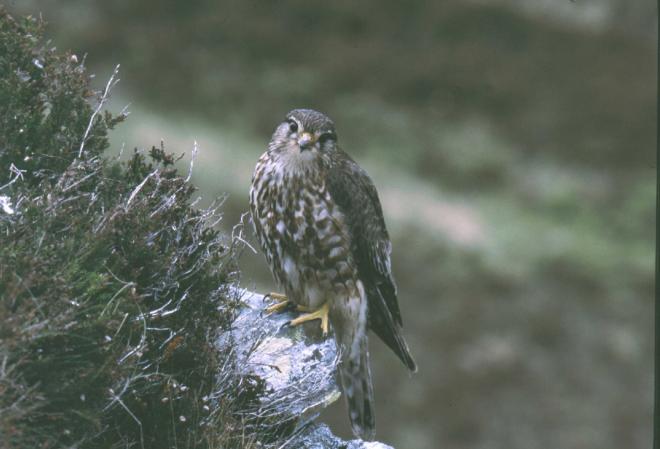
{"x":320,"y":224}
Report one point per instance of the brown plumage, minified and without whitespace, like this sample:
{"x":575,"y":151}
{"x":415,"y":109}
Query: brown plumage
{"x":320,"y":224}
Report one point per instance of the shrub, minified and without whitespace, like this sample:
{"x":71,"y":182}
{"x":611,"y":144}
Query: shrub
{"x":113,"y":287}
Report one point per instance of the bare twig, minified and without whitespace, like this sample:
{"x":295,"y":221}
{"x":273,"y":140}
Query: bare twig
{"x":237,"y":232}
{"x":104,"y":97}
{"x":18,"y":173}
{"x":117,"y":398}
{"x":139,"y":187}
{"x":81,"y":180}
{"x":121,"y":151}
{"x":192,"y":160}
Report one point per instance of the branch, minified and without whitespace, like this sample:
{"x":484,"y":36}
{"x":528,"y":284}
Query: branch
{"x":111,"y":83}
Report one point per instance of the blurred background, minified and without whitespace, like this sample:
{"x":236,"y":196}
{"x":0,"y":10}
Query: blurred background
{"x":513,"y":146}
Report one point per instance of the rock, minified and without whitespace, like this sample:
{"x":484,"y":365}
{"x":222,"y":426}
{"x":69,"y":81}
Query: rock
{"x":298,"y":368}
{"x":319,"y":436}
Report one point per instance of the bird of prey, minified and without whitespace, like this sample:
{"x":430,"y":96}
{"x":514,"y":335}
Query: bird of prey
{"x":320,"y":224}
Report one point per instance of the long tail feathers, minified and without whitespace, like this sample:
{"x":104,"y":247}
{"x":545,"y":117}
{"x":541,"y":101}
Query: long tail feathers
{"x":355,"y":377}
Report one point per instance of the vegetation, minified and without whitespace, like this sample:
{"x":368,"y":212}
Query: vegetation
{"x":514,"y":154}
{"x":113,"y":287}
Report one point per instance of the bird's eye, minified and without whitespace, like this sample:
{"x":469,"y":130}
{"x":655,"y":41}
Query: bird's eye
{"x":326,"y":137}
{"x":293,"y":126}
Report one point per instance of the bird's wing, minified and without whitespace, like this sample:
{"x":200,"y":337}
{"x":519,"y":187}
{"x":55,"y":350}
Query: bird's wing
{"x":355,"y":194}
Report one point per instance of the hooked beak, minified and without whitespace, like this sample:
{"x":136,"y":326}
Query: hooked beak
{"x":306,"y":141}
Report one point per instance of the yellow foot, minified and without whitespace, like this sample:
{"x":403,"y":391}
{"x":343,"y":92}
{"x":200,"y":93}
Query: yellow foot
{"x":321,"y":313}
{"x":281,"y":302}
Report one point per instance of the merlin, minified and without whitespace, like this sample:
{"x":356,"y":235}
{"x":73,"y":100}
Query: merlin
{"x":320,"y":224}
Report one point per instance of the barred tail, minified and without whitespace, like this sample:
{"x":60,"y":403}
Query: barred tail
{"x":355,"y":378}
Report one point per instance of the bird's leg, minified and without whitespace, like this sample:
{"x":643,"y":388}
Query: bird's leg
{"x":321,"y":313}
{"x":281,"y":302}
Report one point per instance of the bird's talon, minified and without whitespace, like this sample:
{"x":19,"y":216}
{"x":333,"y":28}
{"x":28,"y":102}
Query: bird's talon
{"x":321,"y":313}
{"x":277,"y":307}
{"x":278,"y":297}
{"x":281,"y":302}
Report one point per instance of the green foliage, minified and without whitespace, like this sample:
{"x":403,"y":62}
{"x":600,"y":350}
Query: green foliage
{"x":45,"y":110}
{"x":112,"y":285}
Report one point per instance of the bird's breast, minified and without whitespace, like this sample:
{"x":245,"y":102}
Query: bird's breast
{"x":304,"y":235}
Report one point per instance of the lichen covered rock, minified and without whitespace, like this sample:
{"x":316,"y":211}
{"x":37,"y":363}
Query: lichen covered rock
{"x":297,"y":368}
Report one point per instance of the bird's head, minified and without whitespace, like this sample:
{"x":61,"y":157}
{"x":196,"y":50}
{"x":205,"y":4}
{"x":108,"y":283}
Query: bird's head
{"x":304,"y":135}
